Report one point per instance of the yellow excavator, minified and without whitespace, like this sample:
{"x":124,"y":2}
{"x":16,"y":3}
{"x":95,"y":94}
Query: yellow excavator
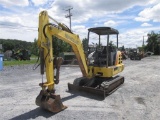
{"x":99,"y":74}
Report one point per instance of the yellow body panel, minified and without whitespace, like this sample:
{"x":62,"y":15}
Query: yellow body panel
{"x":104,"y":71}
{"x":108,"y":71}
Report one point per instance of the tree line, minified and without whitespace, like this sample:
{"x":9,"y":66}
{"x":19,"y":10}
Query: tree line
{"x":14,"y":44}
{"x":59,"y":46}
{"x":153,"y":43}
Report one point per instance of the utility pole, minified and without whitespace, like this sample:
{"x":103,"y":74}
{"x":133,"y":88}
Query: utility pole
{"x":69,"y":15}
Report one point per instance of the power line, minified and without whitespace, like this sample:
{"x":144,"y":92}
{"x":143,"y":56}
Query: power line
{"x":17,"y":27}
{"x":69,"y":15}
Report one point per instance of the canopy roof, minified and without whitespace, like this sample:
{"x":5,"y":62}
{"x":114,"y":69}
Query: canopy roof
{"x":103,"y":30}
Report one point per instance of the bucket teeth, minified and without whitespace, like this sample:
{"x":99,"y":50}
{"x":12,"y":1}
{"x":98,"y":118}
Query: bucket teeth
{"x":50,"y":102}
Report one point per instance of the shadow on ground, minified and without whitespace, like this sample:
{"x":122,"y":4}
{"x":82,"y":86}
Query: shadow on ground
{"x":33,"y":114}
{"x":83,"y":94}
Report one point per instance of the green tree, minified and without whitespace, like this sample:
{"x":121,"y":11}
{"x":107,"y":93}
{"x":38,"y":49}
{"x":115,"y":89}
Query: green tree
{"x":152,"y":43}
{"x":10,"y":44}
{"x":34,"y":48}
{"x":113,"y":45}
{"x":7,"y":45}
{"x":85,"y":44}
{"x":60,"y":46}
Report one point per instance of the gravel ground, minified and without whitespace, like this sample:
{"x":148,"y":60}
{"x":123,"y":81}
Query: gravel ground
{"x":137,"y":99}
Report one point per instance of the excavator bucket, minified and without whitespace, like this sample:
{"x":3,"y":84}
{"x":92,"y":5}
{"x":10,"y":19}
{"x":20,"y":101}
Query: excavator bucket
{"x":98,"y":87}
{"x":50,"y":102}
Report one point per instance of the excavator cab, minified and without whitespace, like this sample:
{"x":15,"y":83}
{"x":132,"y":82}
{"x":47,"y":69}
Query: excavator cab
{"x":104,"y":55}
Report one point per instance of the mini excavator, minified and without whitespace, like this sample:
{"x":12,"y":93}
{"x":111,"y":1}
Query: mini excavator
{"x":100,"y":76}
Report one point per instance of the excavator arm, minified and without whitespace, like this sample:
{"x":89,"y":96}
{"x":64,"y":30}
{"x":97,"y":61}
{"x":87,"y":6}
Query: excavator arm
{"x":46,"y":31}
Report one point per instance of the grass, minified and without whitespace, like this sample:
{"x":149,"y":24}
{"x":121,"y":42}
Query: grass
{"x":23,"y":62}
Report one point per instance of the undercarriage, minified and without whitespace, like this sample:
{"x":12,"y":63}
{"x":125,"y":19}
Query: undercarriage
{"x":97,"y":86}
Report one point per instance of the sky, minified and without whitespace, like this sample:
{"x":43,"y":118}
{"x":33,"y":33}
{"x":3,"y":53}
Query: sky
{"x":134,"y":19}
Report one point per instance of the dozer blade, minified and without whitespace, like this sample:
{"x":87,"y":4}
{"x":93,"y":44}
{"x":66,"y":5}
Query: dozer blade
{"x":50,"y":102}
{"x":103,"y":89}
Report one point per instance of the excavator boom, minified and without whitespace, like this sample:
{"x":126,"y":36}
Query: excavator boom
{"x":47,"y":98}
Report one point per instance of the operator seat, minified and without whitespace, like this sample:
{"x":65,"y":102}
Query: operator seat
{"x":111,"y":55}
{"x":101,"y":56}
